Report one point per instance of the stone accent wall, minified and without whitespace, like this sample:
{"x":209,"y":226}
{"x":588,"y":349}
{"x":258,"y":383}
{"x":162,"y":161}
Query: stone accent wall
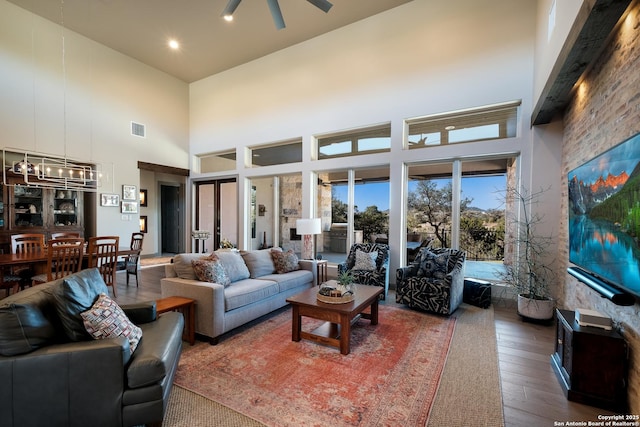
{"x":604,"y":111}
{"x":324,"y":211}
{"x":511,"y":228}
{"x":291,"y":209}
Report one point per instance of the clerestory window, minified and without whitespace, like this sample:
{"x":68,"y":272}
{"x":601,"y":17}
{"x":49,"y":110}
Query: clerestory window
{"x":477,"y":124}
{"x":375,"y":139}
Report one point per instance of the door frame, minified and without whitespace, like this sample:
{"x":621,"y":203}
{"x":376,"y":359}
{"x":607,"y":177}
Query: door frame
{"x":217,"y":204}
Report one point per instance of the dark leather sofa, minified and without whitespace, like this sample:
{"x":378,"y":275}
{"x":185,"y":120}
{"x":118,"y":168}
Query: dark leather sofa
{"x":47,"y":378}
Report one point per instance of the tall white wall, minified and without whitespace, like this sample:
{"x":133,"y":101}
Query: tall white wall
{"x":81,"y":103}
{"x":420,"y":58}
{"x":554,"y":20}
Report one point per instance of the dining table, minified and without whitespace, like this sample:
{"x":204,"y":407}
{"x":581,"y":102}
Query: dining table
{"x":38,"y":259}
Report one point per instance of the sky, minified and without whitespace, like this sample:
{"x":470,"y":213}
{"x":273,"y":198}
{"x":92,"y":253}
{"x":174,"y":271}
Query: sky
{"x":485,"y":192}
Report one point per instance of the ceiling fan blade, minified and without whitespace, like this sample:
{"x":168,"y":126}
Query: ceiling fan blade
{"x":323,"y":5}
{"x":276,"y":13}
{"x":231,"y":7}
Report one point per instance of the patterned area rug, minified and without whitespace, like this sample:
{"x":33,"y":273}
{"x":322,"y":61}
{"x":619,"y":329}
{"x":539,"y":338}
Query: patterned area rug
{"x":389,"y":378}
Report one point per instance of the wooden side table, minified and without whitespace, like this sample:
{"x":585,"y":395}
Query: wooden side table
{"x":322,"y":271}
{"x":590,"y":363}
{"x":187,"y":307}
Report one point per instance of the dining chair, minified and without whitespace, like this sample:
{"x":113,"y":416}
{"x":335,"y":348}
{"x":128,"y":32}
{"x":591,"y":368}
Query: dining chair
{"x":64,"y":257}
{"x":103,"y":254}
{"x":65,"y":234}
{"x":9,"y":282}
{"x":131,"y":261}
{"x":21,"y":244}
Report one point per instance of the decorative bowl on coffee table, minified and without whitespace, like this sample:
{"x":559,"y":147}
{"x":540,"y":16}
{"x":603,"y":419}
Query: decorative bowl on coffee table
{"x":332,"y":292}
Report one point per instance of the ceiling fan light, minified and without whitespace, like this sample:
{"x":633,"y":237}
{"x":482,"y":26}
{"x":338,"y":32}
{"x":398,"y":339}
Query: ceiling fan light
{"x":323,"y":5}
{"x":231,"y":7}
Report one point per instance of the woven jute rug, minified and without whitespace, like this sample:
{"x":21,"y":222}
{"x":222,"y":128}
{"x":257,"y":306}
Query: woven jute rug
{"x":468,"y":393}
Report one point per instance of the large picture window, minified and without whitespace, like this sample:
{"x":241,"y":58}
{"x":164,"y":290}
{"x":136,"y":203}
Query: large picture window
{"x":472,"y":220}
{"x":354,"y":207}
{"x":275,"y":206}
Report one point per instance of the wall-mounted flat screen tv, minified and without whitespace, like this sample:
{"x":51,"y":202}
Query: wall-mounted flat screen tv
{"x":604,"y":216}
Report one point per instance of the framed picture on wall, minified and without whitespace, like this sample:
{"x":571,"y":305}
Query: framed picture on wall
{"x":128,"y":192}
{"x":109,"y":200}
{"x":143,"y":198}
{"x":129,"y":207}
{"x":143,"y":223}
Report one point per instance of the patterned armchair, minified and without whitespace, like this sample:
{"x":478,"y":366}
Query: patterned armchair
{"x":367,"y":267}
{"x":433,"y":282}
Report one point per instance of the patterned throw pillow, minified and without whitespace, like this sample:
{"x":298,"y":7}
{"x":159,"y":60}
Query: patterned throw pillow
{"x":365,"y":260}
{"x":284,"y":261}
{"x":433,"y":265}
{"x":210,"y":270}
{"x":105,"y":319}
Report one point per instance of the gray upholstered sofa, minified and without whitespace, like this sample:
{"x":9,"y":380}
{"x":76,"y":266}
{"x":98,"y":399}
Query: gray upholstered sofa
{"x":255,"y":289}
{"x":53,"y":373}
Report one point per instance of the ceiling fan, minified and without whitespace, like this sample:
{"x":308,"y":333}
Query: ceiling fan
{"x":274,"y":7}
{"x":422,"y":140}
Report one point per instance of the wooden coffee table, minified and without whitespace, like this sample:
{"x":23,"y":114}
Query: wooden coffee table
{"x":337,"y":331}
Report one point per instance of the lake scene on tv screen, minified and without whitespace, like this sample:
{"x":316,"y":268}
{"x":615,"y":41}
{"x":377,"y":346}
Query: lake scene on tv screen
{"x":604,"y":215}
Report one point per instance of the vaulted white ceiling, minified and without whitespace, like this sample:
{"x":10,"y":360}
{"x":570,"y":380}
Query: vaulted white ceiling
{"x":208,"y":44}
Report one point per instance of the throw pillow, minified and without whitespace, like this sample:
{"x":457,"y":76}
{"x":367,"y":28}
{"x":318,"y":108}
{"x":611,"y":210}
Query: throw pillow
{"x":285,"y":261}
{"x":259,"y":262}
{"x":365,"y":260}
{"x":24,"y":329}
{"x":182,"y":265}
{"x":233,"y":265}
{"x":210,"y":270}
{"x":105,"y":319}
{"x":76,"y":294}
{"x":433,"y":265}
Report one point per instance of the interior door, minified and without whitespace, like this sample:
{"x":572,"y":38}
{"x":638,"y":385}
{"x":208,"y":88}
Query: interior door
{"x":170,"y":208}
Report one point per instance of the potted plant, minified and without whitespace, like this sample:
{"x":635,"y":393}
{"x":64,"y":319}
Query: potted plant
{"x":529,"y":269}
{"x":225,"y":244}
{"x":345,"y":282}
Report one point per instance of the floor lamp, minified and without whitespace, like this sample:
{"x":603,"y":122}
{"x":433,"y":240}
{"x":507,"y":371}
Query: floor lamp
{"x":307,"y":228}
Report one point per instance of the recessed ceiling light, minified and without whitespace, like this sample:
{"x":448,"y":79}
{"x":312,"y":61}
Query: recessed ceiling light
{"x":449,"y":128}
{"x":173,"y":44}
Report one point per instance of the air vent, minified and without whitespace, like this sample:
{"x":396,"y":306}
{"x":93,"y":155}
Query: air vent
{"x":137,"y":129}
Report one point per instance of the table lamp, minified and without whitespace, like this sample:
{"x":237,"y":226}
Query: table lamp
{"x":307,"y":228}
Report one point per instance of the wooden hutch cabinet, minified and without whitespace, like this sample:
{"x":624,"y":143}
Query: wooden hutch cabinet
{"x":590,"y":363}
{"x":30,"y":209}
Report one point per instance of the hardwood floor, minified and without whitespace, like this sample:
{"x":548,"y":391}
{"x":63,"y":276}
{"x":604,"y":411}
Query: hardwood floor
{"x":530,"y":391}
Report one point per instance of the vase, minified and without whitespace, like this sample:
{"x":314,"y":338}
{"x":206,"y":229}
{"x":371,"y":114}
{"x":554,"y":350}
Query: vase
{"x":538,"y":309}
